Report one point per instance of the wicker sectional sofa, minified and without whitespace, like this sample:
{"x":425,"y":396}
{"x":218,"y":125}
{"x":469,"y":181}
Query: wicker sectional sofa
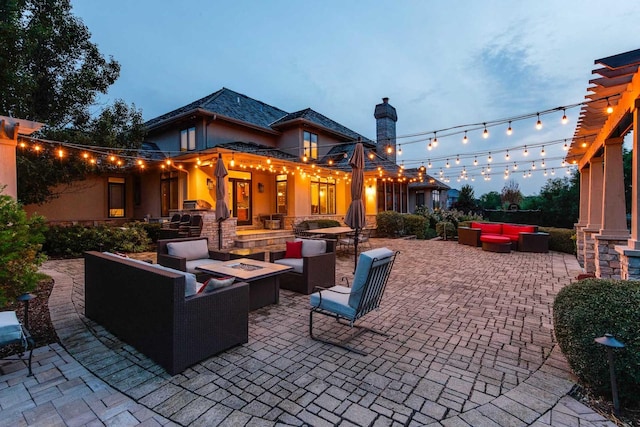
{"x":146,"y":307}
{"x":523,"y":238}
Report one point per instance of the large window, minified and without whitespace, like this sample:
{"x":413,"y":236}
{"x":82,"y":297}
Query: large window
{"x":435,"y":197}
{"x":188,"y":139}
{"x":323,"y":196}
{"x":116,"y":197}
{"x":281,"y":194}
{"x":310,"y":146}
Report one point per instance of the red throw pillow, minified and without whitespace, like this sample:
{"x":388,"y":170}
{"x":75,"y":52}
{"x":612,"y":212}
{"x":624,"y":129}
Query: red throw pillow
{"x":294,"y":250}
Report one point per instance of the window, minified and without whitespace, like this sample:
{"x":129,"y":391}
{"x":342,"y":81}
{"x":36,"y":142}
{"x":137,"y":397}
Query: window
{"x":323,"y":196}
{"x":281,"y":194}
{"x":435,"y":197}
{"x":188,"y":139}
{"x":116,"y":197}
{"x":310,"y":146}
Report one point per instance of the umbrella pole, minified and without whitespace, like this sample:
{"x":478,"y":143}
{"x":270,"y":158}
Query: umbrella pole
{"x":219,"y":235}
{"x":355,"y":250}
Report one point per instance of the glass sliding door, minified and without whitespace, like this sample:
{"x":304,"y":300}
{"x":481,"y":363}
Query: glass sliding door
{"x":240,"y":196}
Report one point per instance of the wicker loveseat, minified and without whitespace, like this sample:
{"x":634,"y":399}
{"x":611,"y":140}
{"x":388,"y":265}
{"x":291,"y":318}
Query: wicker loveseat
{"x":145,"y":306}
{"x":523,"y":238}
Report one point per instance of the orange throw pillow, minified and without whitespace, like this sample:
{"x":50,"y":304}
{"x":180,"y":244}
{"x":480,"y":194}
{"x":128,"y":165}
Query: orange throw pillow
{"x":294,"y":250}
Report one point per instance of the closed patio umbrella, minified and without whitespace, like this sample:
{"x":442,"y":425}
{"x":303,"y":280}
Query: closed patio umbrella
{"x":355,"y":217}
{"x":222,"y":210}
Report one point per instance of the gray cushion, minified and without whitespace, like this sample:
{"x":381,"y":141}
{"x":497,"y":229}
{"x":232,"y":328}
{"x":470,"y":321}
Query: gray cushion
{"x":365,"y":262}
{"x":190,"y":283}
{"x":10,"y":329}
{"x":335,"y":302}
{"x":215,"y":283}
{"x":295,"y":263}
{"x":191,"y":265}
{"x":311,"y":247}
{"x":192,"y":249}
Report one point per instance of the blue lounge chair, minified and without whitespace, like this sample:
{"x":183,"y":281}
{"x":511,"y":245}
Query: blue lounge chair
{"x":352,"y":303}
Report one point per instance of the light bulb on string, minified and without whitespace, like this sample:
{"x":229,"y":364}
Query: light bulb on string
{"x":529,"y":174}
{"x":563,"y":164}
{"x":545,"y":172}
{"x":553,"y":171}
{"x":389,"y":149}
{"x":457,"y":159}
{"x":542,"y":152}
{"x":543,"y":164}
{"x":435,"y":139}
{"x":609,"y":107}
{"x":533,"y":165}
{"x":447,"y":165}
{"x":430,"y":145}
{"x":565,"y":120}
{"x":565,"y":147}
{"x":489,"y":159}
{"x":538,"y":123}
{"x":465,"y":139}
{"x":509,"y":130}
{"x":371,"y":155}
{"x":475,"y":161}
{"x":526,"y":152}
{"x":429,"y":164}
{"x":400,"y":150}
{"x":304,"y":156}
{"x":488,"y":168}
{"x":506,"y":156}
{"x":485,"y":133}
{"x":515,"y":166}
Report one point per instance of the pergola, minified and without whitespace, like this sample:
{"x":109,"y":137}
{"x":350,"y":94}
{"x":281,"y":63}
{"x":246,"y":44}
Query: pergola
{"x":606,"y":248}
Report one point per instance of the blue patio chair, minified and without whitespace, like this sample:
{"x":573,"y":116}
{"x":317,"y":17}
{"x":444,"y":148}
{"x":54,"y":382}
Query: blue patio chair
{"x":12,"y":332}
{"x":352,"y":303}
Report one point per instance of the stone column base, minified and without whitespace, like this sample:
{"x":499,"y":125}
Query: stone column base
{"x":607,"y":259}
{"x":629,"y":262}
{"x":589,"y":250}
{"x":580,"y":243}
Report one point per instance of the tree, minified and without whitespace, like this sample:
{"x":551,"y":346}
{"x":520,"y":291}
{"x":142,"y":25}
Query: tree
{"x":51,"y":72}
{"x":559,"y":201}
{"x":490,"y":200}
{"x":511,"y":193}
{"x":466,"y":200}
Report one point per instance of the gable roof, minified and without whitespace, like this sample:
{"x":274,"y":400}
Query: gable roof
{"x":228,"y":103}
{"x":319,"y":119}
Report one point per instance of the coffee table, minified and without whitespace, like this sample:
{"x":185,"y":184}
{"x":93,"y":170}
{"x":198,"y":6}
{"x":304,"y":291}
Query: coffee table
{"x":263,"y":278}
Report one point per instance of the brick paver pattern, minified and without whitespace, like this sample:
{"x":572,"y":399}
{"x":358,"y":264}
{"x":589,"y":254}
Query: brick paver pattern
{"x":470,"y":343}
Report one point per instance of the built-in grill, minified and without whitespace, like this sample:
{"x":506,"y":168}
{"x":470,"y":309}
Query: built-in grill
{"x":196,"y":205}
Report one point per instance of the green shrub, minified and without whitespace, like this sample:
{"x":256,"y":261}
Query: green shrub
{"x":71,"y":242}
{"x":446,"y":230}
{"x":151,"y":228}
{"x":390,"y":224}
{"x":415,"y":225}
{"x":588,"y":309}
{"x":20,"y":243}
{"x":430,"y":233}
{"x":561,"y":239}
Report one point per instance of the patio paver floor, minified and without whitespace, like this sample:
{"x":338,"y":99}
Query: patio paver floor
{"x":470,"y":343}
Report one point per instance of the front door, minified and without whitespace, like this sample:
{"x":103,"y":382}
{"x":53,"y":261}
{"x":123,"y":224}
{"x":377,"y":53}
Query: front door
{"x":240,"y":196}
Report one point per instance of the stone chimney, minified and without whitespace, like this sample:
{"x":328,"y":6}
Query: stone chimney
{"x":386,"y":119}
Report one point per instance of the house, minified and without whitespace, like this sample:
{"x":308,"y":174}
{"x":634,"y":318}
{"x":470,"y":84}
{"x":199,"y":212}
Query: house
{"x":294,"y":165}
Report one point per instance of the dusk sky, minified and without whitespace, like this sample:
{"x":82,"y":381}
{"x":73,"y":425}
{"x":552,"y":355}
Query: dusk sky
{"x":442,"y":64}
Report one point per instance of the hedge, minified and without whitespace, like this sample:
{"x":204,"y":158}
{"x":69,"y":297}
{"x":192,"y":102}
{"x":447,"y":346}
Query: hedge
{"x":585,"y":310}
{"x":71,"y":242}
{"x":561,"y":239}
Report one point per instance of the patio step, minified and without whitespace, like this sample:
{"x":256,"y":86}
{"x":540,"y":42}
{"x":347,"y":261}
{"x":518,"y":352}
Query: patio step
{"x":261,"y":238}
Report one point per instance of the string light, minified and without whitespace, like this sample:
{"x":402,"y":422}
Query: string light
{"x":565,"y":147}
{"x":465,"y":139}
{"x":447,"y":165}
{"x":389,"y":149}
{"x":400,"y":150}
{"x":485,"y":133}
{"x":515,"y":166}
{"x":542,"y":152}
{"x":533,"y":165}
{"x":526,"y":152}
{"x":565,"y":120}
{"x":538,"y":123}
{"x":489,"y":159}
{"x":429,"y":164}
{"x":506,"y":156}
{"x":609,"y":107}
{"x":429,"y":146}
{"x":304,"y":156}
{"x":232,"y":163}
{"x":435,"y":139}
{"x":475,"y":161}
{"x":457,"y":159}
{"x":553,"y":171}
{"x":509,"y":130}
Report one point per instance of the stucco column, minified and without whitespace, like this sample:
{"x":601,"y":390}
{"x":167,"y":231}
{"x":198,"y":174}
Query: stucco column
{"x":614,"y":218}
{"x":594,"y":213}
{"x":634,"y":241}
{"x":583,"y":213}
{"x":8,"y":144}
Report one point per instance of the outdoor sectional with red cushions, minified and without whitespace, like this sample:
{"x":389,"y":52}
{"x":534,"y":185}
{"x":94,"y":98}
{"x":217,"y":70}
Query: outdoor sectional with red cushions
{"x":524,"y":238}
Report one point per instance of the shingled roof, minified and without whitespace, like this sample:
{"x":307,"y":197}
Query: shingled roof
{"x":228,"y":103}
{"x":318,"y":119}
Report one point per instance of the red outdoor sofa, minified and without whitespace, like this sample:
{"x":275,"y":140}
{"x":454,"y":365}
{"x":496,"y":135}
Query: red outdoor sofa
{"x":503,"y":237}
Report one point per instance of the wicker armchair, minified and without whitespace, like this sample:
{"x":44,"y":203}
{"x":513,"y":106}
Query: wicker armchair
{"x":312,"y":270}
